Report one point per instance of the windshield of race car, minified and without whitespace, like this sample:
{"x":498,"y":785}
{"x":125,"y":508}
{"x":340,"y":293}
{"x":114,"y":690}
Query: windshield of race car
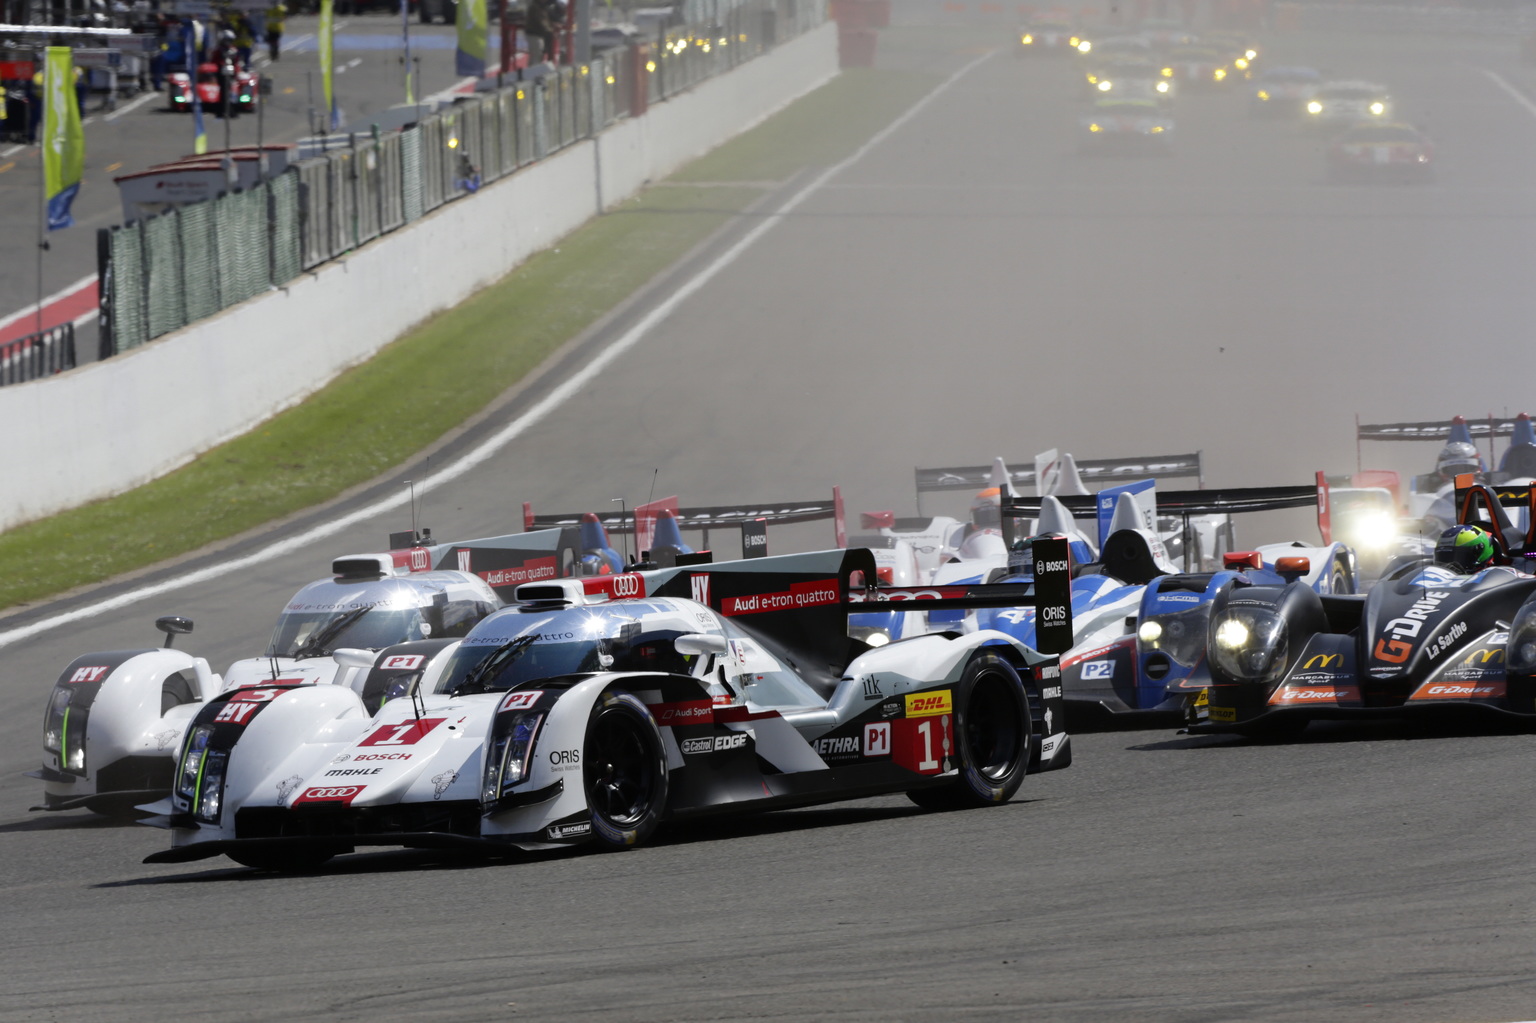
{"x":319,"y":633}
{"x":527,"y":658}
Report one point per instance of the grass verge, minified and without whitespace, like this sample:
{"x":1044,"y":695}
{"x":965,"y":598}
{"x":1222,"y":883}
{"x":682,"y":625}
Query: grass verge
{"x":353,"y":430}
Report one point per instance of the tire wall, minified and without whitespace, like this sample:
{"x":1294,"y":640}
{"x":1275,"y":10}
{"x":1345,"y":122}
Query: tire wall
{"x":116,"y":424}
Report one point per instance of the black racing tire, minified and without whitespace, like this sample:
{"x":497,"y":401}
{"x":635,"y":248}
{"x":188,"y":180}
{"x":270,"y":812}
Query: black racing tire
{"x":1342,"y":581}
{"x":993,"y":737}
{"x":624,"y":771}
{"x":283,"y":861}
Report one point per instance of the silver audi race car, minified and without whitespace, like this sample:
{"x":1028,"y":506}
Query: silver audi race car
{"x":596,"y":709}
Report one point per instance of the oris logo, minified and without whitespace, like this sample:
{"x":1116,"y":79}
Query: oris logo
{"x":564,"y":756}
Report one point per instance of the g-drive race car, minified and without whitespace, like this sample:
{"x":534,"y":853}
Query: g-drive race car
{"x":603,"y":706}
{"x":1427,"y":637}
{"x":115,"y":719}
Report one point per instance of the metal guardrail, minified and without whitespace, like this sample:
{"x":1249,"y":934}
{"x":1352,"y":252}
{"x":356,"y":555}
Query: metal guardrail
{"x":38,"y":355}
{"x":162,"y":273}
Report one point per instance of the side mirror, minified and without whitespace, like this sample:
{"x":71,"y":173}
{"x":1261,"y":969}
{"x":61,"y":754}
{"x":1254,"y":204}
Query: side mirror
{"x":700,"y":643}
{"x":354,"y":657}
{"x":173,"y":626}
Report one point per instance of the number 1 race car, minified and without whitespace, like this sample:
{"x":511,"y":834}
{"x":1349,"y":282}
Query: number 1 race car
{"x":1427,"y":637}
{"x":601,"y":707}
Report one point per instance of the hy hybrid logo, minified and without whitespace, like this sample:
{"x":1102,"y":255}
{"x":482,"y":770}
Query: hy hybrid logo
{"x":700,"y":584}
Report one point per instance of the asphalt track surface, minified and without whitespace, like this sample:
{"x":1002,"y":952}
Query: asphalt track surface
{"x":141,"y":133}
{"x":969,"y":287}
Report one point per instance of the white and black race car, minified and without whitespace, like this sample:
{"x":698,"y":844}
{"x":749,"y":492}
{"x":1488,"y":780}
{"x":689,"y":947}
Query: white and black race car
{"x":598,"y":708}
{"x":115,"y":719}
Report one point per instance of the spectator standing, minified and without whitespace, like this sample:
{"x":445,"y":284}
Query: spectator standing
{"x":245,"y":38}
{"x":276,"y":14}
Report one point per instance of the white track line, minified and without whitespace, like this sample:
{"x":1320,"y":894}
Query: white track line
{"x":1514,"y":93}
{"x":131,"y":106}
{"x":540,"y":411}
{"x":31,"y":310}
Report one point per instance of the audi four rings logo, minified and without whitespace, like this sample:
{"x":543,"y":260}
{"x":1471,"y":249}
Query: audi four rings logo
{"x":626,"y":585}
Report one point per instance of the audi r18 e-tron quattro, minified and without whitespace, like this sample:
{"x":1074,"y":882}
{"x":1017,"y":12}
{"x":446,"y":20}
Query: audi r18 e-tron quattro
{"x":598,"y":708}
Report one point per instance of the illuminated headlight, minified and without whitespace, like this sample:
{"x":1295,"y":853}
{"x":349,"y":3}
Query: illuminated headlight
{"x":1251,"y":54}
{"x":1167,"y":72}
{"x":1219,"y":74}
{"x":1378,"y":108}
{"x":1157,"y":129}
{"x":1092,"y":79}
{"x":1248,"y":643}
{"x":1240,"y":63}
{"x":1094,"y":127}
{"x":1263,"y":94}
{"x":1106,"y":85}
{"x":1084,"y":47}
{"x":191,"y":767}
{"x":64,"y":731}
{"x":210,"y":791}
{"x":1314,"y":107}
{"x":1027,"y":40}
{"x":1149,"y":632}
{"x":506,"y":759}
{"x":1074,"y":41}
{"x":1371,"y":532}
{"x":1162,"y":86}
{"x":1181,"y":635}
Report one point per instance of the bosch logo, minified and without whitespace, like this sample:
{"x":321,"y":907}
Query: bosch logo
{"x":1050,"y":566}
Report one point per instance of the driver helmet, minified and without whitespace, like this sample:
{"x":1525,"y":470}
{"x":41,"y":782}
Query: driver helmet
{"x":1458,"y":457}
{"x":986,"y":509}
{"x":1465,"y":548}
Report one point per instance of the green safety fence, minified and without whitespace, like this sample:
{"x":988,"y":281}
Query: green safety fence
{"x":163,"y":272}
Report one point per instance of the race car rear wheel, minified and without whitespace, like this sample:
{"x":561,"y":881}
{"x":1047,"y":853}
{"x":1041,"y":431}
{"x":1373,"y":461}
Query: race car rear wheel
{"x":624,"y":766}
{"x":992,"y":738}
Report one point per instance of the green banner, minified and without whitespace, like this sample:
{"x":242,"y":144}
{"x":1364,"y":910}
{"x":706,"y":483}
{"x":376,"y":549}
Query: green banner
{"x":63,"y":137}
{"x":327,"y":39}
{"x":469,"y":59}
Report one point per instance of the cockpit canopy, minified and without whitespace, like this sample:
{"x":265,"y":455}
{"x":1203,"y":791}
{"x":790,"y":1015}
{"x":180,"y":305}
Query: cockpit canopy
{"x":328,"y":615}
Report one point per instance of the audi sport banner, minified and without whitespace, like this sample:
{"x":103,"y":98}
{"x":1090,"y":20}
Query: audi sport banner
{"x":1053,"y":595}
{"x":469,"y":59}
{"x":327,"y":40}
{"x":63,"y":138}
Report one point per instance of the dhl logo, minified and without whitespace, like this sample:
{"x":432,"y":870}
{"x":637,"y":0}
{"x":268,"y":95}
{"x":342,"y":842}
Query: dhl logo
{"x":1324,"y":661}
{"x":927,"y":705}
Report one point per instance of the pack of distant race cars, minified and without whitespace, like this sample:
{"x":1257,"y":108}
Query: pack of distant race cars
{"x":1133,"y":75}
{"x":540,"y":689}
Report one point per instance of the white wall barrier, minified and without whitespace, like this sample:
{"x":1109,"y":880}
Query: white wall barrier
{"x":113,"y":425}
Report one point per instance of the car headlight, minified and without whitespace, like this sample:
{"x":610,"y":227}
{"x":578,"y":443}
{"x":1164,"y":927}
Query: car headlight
{"x":1378,"y":108}
{"x":1251,"y":54}
{"x":1084,"y":47}
{"x":1240,"y":63}
{"x":200,"y":775}
{"x":1263,"y":94}
{"x":1027,"y":40}
{"x":1105,"y":86}
{"x":1314,"y":107}
{"x":1520,"y":653}
{"x":1181,"y":635}
{"x":1372,"y":532}
{"x":1162,"y":86}
{"x":1094,"y":127}
{"x":64,"y":730}
{"x":506,"y":757}
{"x":1073,"y":41}
{"x":1248,"y":643}
{"x":1167,"y":72}
{"x":1219,"y":74}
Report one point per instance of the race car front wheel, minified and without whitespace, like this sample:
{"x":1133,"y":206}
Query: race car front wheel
{"x":624,"y":766}
{"x":992,"y":737}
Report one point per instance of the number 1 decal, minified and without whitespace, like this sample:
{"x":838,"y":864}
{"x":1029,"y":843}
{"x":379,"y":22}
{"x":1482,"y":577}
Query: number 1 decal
{"x":925,"y":730}
{"x":406,"y":733}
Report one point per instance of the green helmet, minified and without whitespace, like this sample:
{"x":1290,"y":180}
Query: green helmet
{"x":1467,"y":548}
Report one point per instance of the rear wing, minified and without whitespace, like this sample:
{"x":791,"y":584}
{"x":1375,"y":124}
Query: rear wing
{"x":1187,"y":504}
{"x":1457,"y":428}
{"x":1094,"y":472}
{"x":751,"y":519}
{"x":504,"y":562}
{"x":1481,"y":505}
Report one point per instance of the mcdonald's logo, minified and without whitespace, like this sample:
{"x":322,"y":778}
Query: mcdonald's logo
{"x":1323,"y":661}
{"x":1484,"y":654}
